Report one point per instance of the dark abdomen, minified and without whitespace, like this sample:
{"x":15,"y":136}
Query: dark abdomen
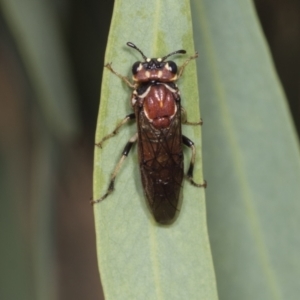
{"x":161,"y":166}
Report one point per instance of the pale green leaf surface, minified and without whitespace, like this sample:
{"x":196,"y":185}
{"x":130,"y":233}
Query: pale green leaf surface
{"x":251,"y":156}
{"x":139,"y":259}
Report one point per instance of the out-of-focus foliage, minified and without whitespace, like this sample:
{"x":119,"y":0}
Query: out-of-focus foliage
{"x":46,"y":161}
{"x":251,"y":156}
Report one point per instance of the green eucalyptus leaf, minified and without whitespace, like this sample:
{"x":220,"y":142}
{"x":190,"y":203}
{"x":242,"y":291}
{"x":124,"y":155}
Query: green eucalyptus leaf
{"x":251,"y":156}
{"x":139,"y":259}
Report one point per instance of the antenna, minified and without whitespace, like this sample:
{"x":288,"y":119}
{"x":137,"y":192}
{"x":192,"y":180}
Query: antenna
{"x":136,"y":48}
{"x":175,"y":52}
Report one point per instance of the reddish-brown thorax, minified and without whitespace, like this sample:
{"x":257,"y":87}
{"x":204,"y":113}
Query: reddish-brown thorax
{"x":160,"y":106}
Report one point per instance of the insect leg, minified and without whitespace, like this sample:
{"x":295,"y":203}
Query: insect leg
{"x":180,"y":72}
{"x":185,"y":121}
{"x":186,"y":141}
{"x":116,"y":130}
{"x":117,"y":169}
{"x":125,"y":79}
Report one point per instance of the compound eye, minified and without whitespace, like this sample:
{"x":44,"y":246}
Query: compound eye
{"x":172,"y":67}
{"x":136,"y":67}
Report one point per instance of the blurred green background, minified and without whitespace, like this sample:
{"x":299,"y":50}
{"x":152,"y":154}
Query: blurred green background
{"x":51,"y":61}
